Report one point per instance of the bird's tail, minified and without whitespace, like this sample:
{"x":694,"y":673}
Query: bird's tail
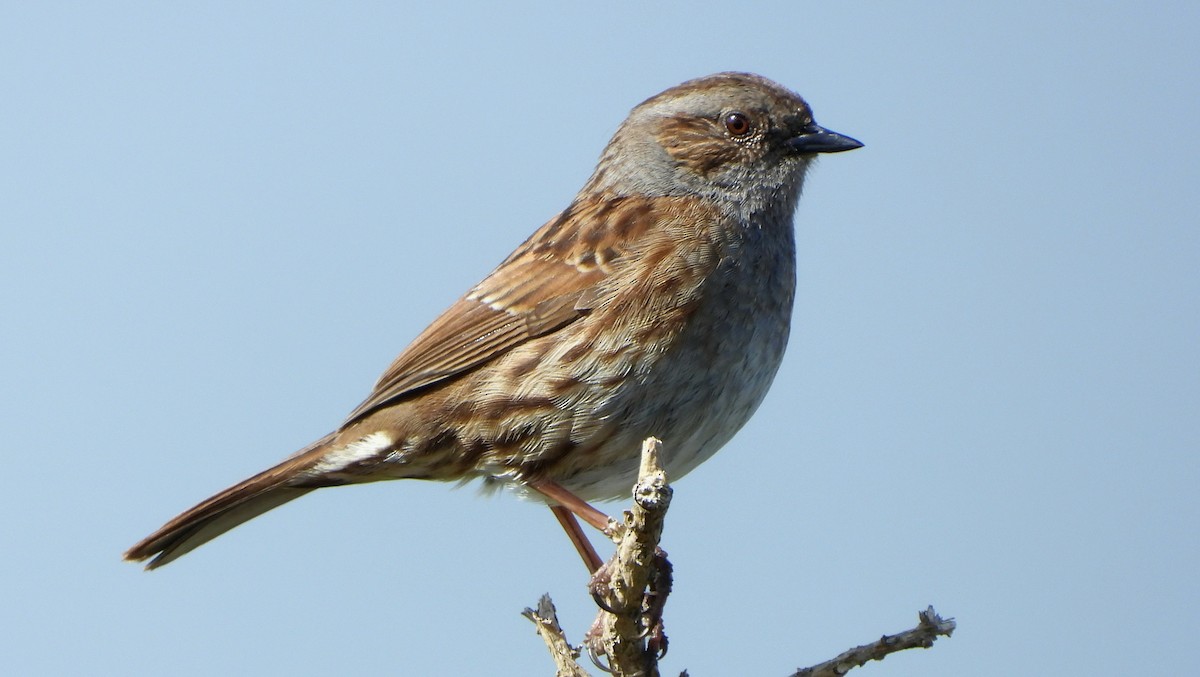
{"x":237,"y":504}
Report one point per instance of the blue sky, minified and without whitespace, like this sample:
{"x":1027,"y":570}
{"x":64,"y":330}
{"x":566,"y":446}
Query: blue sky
{"x":219,"y":223}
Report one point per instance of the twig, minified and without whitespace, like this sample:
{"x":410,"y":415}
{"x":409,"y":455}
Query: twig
{"x":929,"y":629}
{"x":564,"y":655}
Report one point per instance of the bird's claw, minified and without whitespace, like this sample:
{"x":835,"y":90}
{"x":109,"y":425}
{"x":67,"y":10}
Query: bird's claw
{"x":651,"y":608}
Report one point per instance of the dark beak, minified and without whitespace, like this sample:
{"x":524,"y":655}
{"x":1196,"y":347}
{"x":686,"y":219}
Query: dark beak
{"x":817,"y":139}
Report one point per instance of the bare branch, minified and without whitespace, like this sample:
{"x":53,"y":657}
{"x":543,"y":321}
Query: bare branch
{"x":927,"y":631}
{"x":564,"y":655}
{"x":632,"y":587}
{"x":620,"y":632}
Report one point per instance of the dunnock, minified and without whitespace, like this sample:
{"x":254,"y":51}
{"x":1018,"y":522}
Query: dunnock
{"x":657,"y":304}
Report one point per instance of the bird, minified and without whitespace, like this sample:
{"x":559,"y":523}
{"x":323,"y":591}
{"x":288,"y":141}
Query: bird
{"x":658,"y":303}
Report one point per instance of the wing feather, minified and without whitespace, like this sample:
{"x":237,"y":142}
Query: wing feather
{"x":578,"y":261}
{"x":546,"y":284}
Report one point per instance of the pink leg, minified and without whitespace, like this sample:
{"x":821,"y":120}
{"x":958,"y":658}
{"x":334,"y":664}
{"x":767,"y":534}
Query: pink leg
{"x":575,"y":532}
{"x":566,"y":499}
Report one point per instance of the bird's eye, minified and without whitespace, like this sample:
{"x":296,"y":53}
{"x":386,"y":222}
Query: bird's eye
{"x":737,"y":124}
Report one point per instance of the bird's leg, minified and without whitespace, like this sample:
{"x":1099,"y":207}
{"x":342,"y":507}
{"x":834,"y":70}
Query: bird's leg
{"x":560,"y":495}
{"x":569,"y":506}
{"x":566,"y":518}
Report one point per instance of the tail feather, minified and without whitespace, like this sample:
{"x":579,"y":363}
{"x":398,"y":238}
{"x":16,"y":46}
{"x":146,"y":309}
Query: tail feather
{"x":228,"y":509}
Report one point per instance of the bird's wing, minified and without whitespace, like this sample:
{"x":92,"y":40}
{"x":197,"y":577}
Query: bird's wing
{"x":546,"y":284}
